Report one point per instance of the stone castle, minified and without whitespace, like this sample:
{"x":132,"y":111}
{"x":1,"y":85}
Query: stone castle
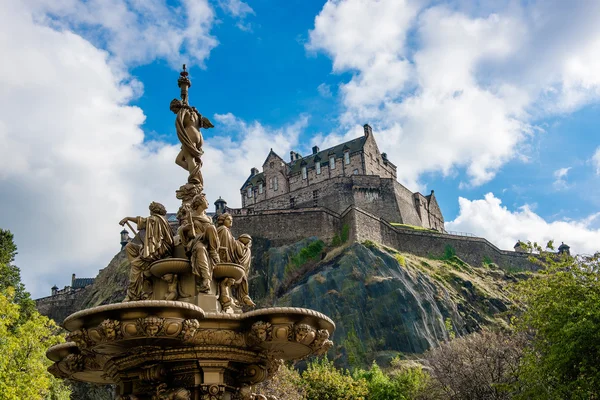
{"x":354,"y":173}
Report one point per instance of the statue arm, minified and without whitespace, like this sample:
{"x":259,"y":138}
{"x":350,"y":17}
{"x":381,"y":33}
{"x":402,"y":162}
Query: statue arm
{"x":139,"y":221}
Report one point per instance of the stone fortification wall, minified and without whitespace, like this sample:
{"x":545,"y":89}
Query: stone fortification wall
{"x":473,"y":250}
{"x":288,"y":226}
{"x":381,"y":196}
{"x":60,"y":306}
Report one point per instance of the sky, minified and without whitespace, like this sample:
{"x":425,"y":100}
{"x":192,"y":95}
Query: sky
{"x":492,"y":103}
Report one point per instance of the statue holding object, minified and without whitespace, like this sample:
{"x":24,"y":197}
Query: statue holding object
{"x":199,"y":236}
{"x":236,"y":251}
{"x":188,"y":124}
{"x":157,"y":243}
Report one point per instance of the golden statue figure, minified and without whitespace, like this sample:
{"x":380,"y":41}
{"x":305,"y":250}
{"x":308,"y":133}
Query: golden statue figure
{"x":157,"y":243}
{"x":199,"y":236}
{"x":236,"y":251}
{"x":188,"y":123}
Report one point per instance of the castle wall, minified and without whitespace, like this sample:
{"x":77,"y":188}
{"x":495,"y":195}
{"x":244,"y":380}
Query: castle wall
{"x":406,"y":206}
{"x":473,"y":250}
{"x":374,"y":163}
{"x":62,"y":305}
{"x":288,"y":226}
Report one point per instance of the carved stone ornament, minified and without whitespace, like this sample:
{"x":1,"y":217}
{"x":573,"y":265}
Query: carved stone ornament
{"x":111,"y":329}
{"x":151,"y":325}
{"x":81,"y":338}
{"x":322,"y":344}
{"x":190,"y":326}
{"x":212,"y":392}
{"x":304,"y":334}
{"x":218,"y":337}
{"x":165,"y":393}
{"x":260,"y":332}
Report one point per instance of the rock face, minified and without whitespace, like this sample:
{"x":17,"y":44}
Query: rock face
{"x":383,"y":302}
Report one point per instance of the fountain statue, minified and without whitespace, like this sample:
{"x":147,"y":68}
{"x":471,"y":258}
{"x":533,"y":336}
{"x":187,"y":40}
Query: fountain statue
{"x":186,"y":329}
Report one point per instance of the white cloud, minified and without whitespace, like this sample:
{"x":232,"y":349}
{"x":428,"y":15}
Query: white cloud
{"x":488,"y":218}
{"x":560,"y":175}
{"x":324,"y":90}
{"x":73,"y":159}
{"x":596,"y":161}
{"x":240,"y":10}
{"x":473,"y":80}
{"x":236,"y":8}
{"x":136,"y":32}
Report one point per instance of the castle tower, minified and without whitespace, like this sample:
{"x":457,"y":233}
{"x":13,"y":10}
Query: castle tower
{"x":220,"y":206}
{"x":124,"y":238}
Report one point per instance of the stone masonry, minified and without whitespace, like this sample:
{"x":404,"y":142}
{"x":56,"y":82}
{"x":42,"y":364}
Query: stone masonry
{"x":351,"y":173}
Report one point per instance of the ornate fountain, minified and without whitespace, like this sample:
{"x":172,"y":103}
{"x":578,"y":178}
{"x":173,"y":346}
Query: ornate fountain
{"x":186,"y":329}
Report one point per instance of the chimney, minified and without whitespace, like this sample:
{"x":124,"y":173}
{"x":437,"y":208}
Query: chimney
{"x":73,"y":280}
{"x":368,"y":130}
{"x":315,"y":149}
{"x":253,"y":171}
{"x":292,"y":156}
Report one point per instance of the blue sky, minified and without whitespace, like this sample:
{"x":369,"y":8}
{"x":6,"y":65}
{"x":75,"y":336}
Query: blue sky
{"x":493,"y":104}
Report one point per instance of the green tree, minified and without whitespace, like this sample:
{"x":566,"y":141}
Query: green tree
{"x":10,"y":276}
{"x":322,"y":381}
{"x":561,"y":312}
{"x":25,"y":335}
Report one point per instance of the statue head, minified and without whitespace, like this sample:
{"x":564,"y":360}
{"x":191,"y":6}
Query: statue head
{"x":225,"y":219}
{"x":168,"y":278}
{"x":199,"y":202}
{"x":157,"y":208}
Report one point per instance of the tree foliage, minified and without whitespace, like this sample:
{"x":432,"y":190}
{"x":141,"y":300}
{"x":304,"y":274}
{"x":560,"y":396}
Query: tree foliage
{"x":403,"y":381}
{"x":322,"y":381}
{"x":285,"y":384}
{"x":480,"y":366}
{"x":561,"y":312}
{"x":25,"y":335}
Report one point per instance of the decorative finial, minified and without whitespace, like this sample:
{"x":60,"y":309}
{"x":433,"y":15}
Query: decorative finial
{"x":184,"y":84}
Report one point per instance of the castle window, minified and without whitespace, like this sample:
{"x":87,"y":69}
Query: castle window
{"x":271,"y":164}
{"x":347,"y":157}
{"x":318,"y":165}
{"x":332,"y":162}
{"x":292,"y":202}
{"x":249,"y":191}
{"x":260,"y":187}
{"x":275,"y":183}
{"x":303,"y":172}
{"x":315,"y":197}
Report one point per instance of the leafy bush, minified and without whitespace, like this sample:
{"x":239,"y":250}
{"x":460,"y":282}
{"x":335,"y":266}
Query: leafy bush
{"x":307,"y":253}
{"x":400,"y":383}
{"x":322,"y":381}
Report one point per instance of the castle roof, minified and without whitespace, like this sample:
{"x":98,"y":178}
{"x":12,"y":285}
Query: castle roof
{"x":322,"y":156}
{"x":81,"y":282}
{"x":309,"y":161}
